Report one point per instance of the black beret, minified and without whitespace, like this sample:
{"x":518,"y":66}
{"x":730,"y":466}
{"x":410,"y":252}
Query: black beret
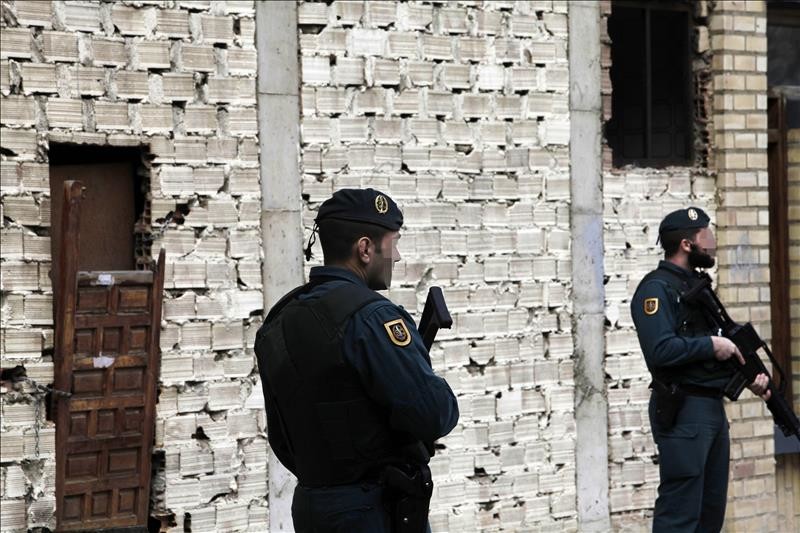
{"x":362,"y":205}
{"x":689,"y":218}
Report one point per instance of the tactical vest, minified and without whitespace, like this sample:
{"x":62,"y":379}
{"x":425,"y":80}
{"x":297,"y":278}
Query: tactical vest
{"x":334,"y":431}
{"x":691,"y":323}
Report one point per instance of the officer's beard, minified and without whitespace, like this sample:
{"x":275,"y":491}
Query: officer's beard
{"x":379,"y":276}
{"x":699,"y":258}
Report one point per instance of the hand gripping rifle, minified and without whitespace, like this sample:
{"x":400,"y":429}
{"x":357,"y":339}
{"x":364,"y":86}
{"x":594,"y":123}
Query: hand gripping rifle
{"x":748,"y":342}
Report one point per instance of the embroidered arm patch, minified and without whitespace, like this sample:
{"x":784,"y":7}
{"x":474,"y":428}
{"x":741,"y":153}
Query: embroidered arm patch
{"x":651,"y":306}
{"x":398,"y":332}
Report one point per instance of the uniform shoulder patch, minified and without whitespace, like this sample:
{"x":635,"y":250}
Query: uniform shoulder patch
{"x":650,"y":306}
{"x":398,"y":332}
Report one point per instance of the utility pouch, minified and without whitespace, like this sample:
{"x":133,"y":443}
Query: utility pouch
{"x":669,"y":400}
{"x":407,"y":494}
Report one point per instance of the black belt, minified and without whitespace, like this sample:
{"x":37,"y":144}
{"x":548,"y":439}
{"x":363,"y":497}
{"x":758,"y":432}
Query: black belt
{"x":699,"y":390}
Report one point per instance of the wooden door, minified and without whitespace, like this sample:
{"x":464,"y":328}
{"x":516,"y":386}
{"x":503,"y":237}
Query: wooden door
{"x":107,"y":357}
{"x":779,"y":238}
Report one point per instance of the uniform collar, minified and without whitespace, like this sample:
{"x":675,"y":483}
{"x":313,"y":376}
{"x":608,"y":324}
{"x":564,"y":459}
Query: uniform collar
{"x":672,"y":267}
{"x":334,"y":273}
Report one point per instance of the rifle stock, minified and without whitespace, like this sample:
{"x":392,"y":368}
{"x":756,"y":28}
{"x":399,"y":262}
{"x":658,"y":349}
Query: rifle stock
{"x":749,"y":342}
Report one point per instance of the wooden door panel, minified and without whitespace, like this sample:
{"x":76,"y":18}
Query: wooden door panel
{"x":107,"y":351}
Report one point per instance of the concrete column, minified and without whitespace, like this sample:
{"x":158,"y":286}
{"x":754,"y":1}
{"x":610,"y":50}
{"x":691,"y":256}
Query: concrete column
{"x":281,"y":225}
{"x":586,"y":221}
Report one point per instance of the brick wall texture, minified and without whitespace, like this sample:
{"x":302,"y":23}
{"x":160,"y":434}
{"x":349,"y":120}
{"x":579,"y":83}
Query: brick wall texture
{"x":788,"y":478}
{"x":794,"y":255}
{"x":458,"y":110}
{"x":178,"y":79}
{"x":738,"y":42}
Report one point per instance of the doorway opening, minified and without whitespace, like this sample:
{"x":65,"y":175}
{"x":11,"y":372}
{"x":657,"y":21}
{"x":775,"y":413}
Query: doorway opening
{"x":107,"y":314}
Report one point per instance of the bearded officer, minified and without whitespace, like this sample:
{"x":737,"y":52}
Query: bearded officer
{"x":349,"y":390}
{"x":687,"y":360}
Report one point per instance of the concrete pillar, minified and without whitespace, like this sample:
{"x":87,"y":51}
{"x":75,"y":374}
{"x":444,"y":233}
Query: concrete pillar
{"x":586,"y":221}
{"x":281,"y":225}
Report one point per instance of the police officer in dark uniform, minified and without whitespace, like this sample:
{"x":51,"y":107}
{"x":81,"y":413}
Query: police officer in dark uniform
{"x":687,"y":360}
{"x":349,"y":390}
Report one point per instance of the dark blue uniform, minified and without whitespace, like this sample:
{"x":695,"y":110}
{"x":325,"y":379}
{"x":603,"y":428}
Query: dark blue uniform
{"x":397,"y":377}
{"x":694,"y":453}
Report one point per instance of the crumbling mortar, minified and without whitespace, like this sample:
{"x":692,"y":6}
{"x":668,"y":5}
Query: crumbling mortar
{"x":131,"y":53}
{"x":41,"y":113}
{"x":150,"y":22}
{"x":223,"y":131}
{"x":201,"y":87}
{"x":135,"y":117}
{"x":9,"y":13}
{"x":221,"y":59}
{"x":178,"y":115}
{"x":175,"y":55}
{"x":59,"y":16}
{"x":87,"y":113}
{"x":195,"y":28}
{"x":110,"y":84}
{"x":15,"y":77}
{"x":105,"y":18}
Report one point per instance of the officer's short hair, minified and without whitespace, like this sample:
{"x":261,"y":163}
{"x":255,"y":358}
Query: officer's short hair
{"x":338,"y":236}
{"x":671,"y":240}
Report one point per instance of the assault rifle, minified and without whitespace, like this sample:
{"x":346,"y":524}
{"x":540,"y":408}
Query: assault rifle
{"x":408,"y":490}
{"x":748,"y":341}
{"x":434,"y":317}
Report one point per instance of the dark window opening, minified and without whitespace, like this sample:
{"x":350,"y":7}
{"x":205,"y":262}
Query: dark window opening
{"x":651,"y":100}
{"x":783,"y":61}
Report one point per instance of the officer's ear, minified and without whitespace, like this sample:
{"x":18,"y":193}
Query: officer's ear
{"x":364,"y":247}
{"x":686,"y":245}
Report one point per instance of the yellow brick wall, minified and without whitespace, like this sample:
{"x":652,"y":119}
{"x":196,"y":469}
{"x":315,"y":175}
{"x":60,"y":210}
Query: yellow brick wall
{"x":739,"y":155}
{"x":794,"y":257}
{"x":788,"y":484}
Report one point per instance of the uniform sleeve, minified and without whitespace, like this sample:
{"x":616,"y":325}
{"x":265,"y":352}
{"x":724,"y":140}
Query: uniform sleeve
{"x":655,"y":313}
{"x":395,"y":373}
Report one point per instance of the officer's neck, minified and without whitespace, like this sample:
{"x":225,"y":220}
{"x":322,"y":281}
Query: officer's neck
{"x":354,"y":266}
{"x":681,"y":260}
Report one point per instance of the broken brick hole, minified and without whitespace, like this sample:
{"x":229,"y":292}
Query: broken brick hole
{"x":200,"y":434}
{"x":13,"y":375}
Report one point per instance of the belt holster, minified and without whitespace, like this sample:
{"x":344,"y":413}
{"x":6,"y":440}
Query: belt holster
{"x":407,"y":493}
{"x":669,"y":400}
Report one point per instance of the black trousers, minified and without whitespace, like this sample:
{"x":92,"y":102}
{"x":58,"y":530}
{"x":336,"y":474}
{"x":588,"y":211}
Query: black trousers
{"x":340,"y":509}
{"x":693,"y":466}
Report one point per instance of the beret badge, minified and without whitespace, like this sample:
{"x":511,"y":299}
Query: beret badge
{"x":381,"y":204}
{"x":692,"y":214}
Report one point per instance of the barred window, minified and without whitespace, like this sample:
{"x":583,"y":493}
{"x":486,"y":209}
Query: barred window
{"x":651,"y":101}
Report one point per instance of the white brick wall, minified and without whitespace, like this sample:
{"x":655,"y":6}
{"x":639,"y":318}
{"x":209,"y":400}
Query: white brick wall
{"x":460,"y":114}
{"x":177,"y":78}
